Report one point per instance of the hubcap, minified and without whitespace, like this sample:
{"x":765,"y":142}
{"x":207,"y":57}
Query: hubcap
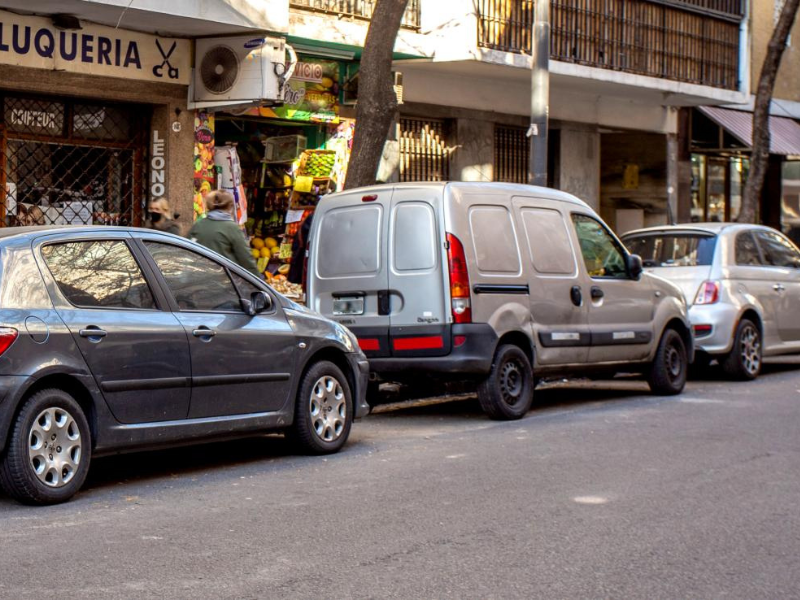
{"x":674,"y":362}
{"x":328,"y":408}
{"x":54,"y":447}
{"x":750,"y":347}
{"x":511,"y":382}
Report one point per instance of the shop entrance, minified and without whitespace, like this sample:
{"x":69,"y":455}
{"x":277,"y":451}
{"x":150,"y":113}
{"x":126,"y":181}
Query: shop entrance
{"x":72,"y":162}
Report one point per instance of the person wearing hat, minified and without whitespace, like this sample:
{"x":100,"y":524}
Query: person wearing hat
{"x":162,"y":217}
{"x":220,"y":233}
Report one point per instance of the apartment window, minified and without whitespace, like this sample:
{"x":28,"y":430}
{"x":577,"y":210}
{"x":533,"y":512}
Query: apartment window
{"x":424,"y":152}
{"x":511,"y":154}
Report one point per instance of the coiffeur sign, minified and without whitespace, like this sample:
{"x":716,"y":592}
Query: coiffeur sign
{"x":34,"y":42}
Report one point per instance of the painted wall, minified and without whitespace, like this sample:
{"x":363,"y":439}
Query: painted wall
{"x":579,"y":163}
{"x":787,"y":85}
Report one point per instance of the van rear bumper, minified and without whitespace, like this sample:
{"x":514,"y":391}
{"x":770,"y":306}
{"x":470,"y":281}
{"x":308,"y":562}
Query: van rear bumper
{"x":473,"y":357}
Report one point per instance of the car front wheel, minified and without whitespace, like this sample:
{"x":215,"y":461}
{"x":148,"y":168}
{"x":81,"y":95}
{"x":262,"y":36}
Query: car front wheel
{"x":49,"y":450}
{"x":667,"y":375}
{"x":324,"y":410}
{"x":743,"y":362}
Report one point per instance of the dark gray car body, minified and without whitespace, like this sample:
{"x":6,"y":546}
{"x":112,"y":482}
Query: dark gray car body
{"x":138,"y":390}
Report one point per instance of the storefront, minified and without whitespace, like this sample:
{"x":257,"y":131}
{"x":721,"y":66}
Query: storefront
{"x":85,"y":120}
{"x":278,"y":163}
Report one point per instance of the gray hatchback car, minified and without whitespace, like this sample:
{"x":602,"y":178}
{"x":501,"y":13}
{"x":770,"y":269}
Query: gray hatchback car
{"x":115,"y":339}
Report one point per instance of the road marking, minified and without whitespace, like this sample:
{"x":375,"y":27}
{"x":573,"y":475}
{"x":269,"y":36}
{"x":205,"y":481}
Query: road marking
{"x":457,"y":456}
{"x":700,"y":400}
{"x":590,"y":500}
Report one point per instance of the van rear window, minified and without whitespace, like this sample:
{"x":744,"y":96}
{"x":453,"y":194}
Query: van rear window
{"x":349,"y":242}
{"x":673,"y":250}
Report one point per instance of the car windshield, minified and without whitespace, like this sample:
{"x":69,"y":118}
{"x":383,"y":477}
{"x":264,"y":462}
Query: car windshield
{"x":672,"y":249}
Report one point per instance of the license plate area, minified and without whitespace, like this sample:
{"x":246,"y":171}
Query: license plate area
{"x":348,"y":305}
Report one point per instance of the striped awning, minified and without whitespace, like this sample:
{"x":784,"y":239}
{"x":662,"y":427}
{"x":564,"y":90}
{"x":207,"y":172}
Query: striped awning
{"x":784,"y":132}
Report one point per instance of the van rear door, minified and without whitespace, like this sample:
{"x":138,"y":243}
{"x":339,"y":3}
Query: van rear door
{"x":348,"y":271}
{"x":417,"y":274}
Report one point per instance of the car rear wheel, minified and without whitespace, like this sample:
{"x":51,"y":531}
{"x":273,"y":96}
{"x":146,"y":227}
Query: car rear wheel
{"x":743,"y":362}
{"x":49,"y":450}
{"x":507,"y":393}
{"x":323,"y":411}
{"x":667,"y":375}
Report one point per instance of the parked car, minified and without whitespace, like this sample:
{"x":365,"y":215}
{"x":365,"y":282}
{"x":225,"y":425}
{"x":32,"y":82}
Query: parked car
{"x":742,"y":283}
{"x":499,"y":283}
{"x":118,"y":339}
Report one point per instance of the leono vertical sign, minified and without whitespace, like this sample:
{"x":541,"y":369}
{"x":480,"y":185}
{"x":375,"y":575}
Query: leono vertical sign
{"x":158,"y":166}
{"x":27,"y":41}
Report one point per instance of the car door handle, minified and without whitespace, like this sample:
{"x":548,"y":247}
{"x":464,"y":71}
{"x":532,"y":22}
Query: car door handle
{"x":92,"y":331}
{"x":778,"y":287}
{"x":575,"y":295}
{"x":203,"y":332}
{"x":597,"y":293}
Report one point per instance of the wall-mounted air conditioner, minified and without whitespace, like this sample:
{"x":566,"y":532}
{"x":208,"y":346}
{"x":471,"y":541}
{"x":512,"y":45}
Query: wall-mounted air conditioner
{"x":233,"y":72}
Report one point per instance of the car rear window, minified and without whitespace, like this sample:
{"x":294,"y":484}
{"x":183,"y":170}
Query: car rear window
{"x":673,"y":249}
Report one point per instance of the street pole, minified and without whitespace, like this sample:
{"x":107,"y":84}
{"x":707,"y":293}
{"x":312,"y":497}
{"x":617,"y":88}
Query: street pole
{"x":540,"y":93}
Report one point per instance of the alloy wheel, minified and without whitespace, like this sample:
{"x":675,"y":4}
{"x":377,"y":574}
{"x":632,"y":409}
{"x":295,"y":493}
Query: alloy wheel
{"x":55,"y":447}
{"x":328,"y":408}
{"x":750,"y":348}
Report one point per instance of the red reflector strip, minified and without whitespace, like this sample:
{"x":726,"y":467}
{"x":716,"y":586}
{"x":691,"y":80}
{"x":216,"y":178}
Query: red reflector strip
{"x":419,"y":343}
{"x":459,"y":340}
{"x":702,"y":329}
{"x":369,"y":344}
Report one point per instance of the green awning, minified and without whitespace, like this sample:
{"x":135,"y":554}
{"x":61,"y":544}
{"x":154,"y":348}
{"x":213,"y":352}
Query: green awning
{"x":336,"y":51}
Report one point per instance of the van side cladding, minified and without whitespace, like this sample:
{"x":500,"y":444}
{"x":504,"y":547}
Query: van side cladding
{"x":437,"y":274}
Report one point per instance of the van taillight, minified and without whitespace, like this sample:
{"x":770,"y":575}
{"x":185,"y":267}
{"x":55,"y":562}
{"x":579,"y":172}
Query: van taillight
{"x":459,"y":281}
{"x":708,"y":293}
{"x":7,"y":337}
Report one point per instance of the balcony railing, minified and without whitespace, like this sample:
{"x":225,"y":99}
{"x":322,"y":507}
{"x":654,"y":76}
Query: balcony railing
{"x":695,"y":41}
{"x":359,"y":9}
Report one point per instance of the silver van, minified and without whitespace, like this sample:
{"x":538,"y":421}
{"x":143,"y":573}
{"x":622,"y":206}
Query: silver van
{"x":502,"y":283}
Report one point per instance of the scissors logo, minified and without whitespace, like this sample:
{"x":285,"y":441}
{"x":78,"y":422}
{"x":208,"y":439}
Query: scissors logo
{"x":158,"y":70}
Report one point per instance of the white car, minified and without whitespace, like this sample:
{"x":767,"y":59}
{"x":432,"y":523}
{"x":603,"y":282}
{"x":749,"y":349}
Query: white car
{"x":742,"y":283}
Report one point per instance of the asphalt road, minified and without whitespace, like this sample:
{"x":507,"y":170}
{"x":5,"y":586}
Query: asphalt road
{"x":601,"y":492}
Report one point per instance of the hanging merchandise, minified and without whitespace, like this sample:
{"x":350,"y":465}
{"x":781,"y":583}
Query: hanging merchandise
{"x":227,"y":162}
{"x":204,"y":170}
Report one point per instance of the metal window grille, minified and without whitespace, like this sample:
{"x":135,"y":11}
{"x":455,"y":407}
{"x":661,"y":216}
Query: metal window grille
{"x":71,"y":163}
{"x":424,"y":153}
{"x":695,"y":41}
{"x":511,"y":154}
{"x":362,"y":9}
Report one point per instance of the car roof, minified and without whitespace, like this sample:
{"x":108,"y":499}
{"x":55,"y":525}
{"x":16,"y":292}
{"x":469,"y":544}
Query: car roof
{"x":31,"y":231}
{"x":707,"y":228}
{"x":439,"y":186}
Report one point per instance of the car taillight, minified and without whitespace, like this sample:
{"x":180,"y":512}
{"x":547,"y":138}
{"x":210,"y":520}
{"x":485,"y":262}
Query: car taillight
{"x":708,"y":293}
{"x":7,"y":337}
{"x":459,"y":281}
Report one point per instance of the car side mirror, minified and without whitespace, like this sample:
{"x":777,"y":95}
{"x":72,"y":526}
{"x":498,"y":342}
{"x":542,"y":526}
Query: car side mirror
{"x":635,"y":268}
{"x":260,"y":301}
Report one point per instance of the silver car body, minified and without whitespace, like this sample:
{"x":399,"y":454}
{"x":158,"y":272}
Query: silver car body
{"x":384,"y":251}
{"x":765,"y":293}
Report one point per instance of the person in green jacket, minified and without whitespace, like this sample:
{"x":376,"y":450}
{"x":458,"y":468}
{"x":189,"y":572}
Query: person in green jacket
{"x":220,"y":233}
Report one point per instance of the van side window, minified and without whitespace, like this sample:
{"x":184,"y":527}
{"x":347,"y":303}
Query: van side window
{"x":601,"y":253}
{"x":349,"y":242}
{"x":414,"y":244}
{"x":548,"y":241}
{"x":494,"y":240}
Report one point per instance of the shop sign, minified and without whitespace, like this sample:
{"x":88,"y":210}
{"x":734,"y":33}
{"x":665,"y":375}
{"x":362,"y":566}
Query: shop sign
{"x":312,"y":94}
{"x":158,"y":166}
{"x":28,"y":41}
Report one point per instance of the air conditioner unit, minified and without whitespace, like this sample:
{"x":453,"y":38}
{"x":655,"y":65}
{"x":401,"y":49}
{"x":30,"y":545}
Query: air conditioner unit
{"x":240,"y":71}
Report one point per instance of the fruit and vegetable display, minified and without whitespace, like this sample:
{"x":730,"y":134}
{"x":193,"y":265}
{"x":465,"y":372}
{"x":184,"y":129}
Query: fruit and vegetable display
{"x":317,"y":163}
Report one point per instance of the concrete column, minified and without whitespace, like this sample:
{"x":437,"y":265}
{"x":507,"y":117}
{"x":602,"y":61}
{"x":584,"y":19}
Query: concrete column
{"x":683,"y":169}
{"x":473,"y":159}
{"x":579,"y":163}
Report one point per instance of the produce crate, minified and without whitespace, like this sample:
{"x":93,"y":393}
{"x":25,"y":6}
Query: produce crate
{"x":285,"y":148}
{"x":317,"y":163}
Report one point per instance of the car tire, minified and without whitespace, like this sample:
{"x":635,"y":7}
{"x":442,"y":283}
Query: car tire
{"x":667,"y":376}
{"x":49,"y":450}
{"x":507,"y":392}
{"x":744,"y":361}
{"x":323,"y":411}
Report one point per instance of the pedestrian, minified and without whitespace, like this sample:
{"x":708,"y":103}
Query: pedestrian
{"x":162,"y":218}
{"x":220,"y":233}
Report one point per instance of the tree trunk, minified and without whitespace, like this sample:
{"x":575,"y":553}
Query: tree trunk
{"x":377,"y":102}
{"x":761,"y":136}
